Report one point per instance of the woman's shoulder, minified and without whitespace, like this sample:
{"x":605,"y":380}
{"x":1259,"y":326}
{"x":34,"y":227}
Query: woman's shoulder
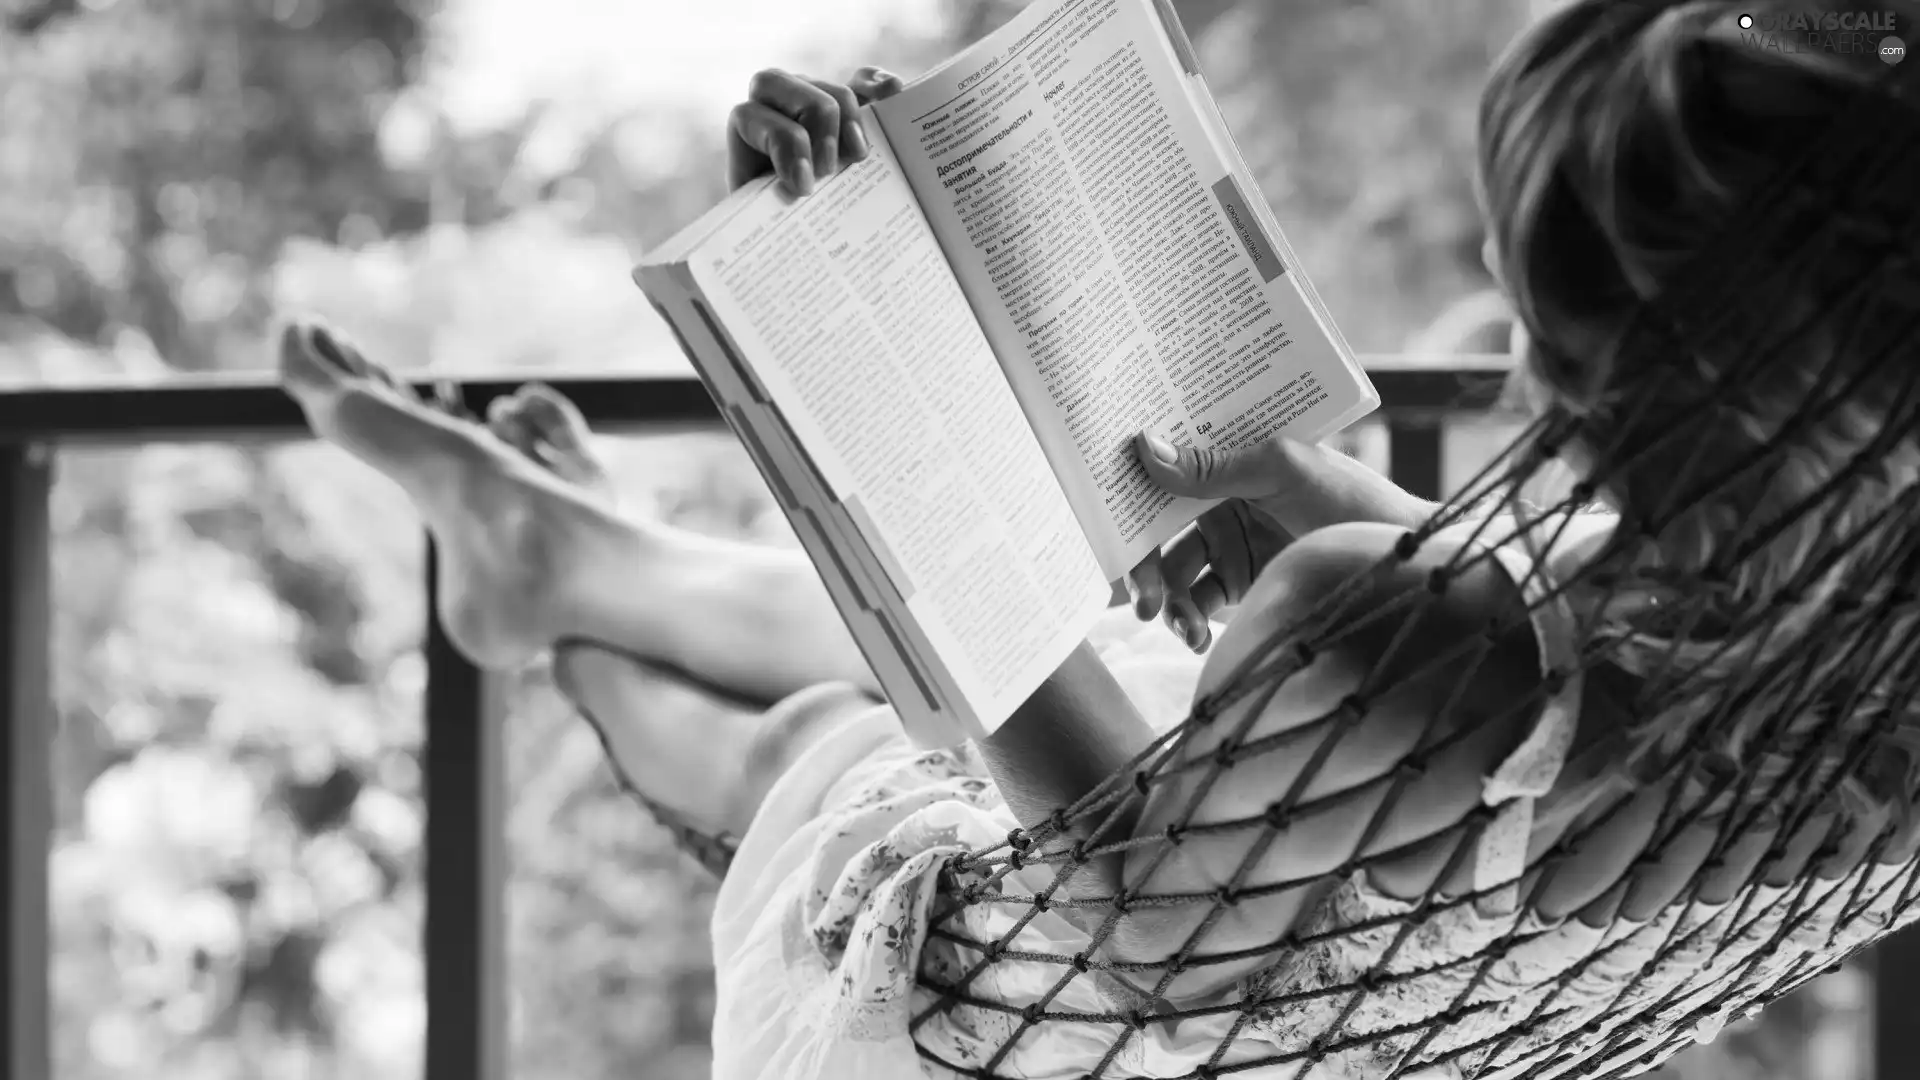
{"x":1496,"y":575}
{"x":1423,"y":635}
{"x":1452,"y":577}
{"x":1415,"y":653}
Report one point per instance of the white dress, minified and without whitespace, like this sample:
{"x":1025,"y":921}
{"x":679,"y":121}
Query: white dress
{"x":822,"y":924}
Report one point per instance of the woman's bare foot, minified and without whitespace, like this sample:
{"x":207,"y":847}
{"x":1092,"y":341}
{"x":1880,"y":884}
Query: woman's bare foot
{"x":520,"y":509}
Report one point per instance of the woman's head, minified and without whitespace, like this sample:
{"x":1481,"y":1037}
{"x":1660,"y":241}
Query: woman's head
{"x":1680,"y":300}
{"x":1710,"y":235}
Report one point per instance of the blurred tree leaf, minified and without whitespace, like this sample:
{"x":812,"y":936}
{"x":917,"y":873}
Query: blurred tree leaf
{"x":159,"y":152}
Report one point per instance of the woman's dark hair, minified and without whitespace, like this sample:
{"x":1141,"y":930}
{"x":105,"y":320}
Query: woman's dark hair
{"x":1708,"y":230}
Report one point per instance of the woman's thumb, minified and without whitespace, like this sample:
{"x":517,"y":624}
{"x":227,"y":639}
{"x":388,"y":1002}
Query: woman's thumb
{"x":1248,"y":472}
{"x":871,"y":84}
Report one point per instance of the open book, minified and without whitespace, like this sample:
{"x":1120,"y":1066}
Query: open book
{"x":940,"y":358}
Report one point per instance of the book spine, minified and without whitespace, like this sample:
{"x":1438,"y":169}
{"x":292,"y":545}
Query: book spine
{"x":1177,"y":36}
{"x":839,"y":549}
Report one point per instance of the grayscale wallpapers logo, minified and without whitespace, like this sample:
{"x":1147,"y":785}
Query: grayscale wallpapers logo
{"x":1853,"y":33}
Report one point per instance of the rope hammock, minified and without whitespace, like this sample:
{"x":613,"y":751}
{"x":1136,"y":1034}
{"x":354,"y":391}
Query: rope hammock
{"x":1783,"y":717}
{"x":1773,"y":719}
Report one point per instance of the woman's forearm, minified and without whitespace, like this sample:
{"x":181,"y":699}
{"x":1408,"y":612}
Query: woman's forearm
{"x":1077,"y":729}
{"x":1329,"y":488}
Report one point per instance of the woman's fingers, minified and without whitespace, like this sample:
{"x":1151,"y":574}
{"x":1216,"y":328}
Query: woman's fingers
{"x":1181,"y":562}
{"x":814,"y":109}
{"x":1209,"y":596}
{"x":759,"y":138}
{"x":1147,"y":585}
{"x":1208,"y":569}
{"x":802,"y":129}
{"x":1183,"y":558}
{"x":1229,"y":529}
{"x":871,"y":84}
{"x":853,"y":139}
{"x":1198,"y":574}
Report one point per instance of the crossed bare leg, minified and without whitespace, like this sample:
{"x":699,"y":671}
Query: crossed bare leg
{"x":534,"y":555}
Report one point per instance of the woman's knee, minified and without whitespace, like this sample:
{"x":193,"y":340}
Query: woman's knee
{"x":795,"y":725}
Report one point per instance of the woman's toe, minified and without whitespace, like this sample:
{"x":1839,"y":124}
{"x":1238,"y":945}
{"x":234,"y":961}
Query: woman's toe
{"x":339,"y":352}
{"x":391,"y":380}
{"x":312,"y":350}
{"x":303,"y":364}
{"x":554,"y":419}
{"x":562,"y":435}
{"x":344,"y":354}
{"x":506,"y":418}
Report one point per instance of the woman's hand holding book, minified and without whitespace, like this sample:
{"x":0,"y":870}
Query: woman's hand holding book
{"x":801,"y":129}
{"x":1276,"y":491}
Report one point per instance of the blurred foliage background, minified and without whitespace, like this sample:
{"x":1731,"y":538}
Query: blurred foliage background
{"x":463,"y":187}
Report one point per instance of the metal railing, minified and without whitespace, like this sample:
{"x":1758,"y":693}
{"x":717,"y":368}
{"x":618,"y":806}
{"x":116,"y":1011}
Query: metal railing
{"x":464,"y":931}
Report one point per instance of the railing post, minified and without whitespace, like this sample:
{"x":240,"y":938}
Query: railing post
{"x":26,"y":759}
{"x":465,"y":929}
{"x":1415,"y":448}
{"x":1895,"y":967}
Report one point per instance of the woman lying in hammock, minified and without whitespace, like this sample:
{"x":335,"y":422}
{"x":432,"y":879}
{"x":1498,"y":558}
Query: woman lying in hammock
{"x":1506,"y":792}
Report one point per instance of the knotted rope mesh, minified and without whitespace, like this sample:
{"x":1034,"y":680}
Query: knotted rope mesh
{"x":1762,"y":733}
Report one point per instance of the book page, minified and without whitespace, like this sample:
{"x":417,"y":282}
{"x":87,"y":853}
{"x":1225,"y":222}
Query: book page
{"x":844,"y":309}
{"x":893,"y":646}
{"x":1116,"y":257}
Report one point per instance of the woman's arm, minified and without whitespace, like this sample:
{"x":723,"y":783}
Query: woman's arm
{"x":1315,"y":785}
{"x":1076,"y":730}
{"x":1276,"y":491}
{"x":1300,"y":486}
